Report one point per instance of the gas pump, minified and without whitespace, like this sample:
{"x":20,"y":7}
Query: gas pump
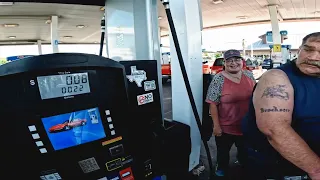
{"x":66,"y":117}
{"x":77,"y":116}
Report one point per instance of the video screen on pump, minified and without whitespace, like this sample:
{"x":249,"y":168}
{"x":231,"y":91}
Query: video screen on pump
{"x":75,"y":128}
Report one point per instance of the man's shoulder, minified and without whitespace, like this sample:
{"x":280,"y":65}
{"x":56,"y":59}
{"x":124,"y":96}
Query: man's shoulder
{"x":273,"y":79}
{"x":273,"y":74}
{"x":288,"y":66}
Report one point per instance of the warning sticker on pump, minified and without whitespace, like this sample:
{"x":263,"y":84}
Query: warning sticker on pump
{"x":149,"y":85}
{"x":89,"y":165}
{"x":145,"y":99}
{"x":137,"y":75}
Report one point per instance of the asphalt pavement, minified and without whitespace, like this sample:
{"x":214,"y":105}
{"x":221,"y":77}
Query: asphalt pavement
{"x":167,"y":100}
{"x":236,"y":171}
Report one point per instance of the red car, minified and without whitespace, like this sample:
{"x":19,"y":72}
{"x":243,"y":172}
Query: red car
{"x":166,"y":70}
{"x":217,"y":66}
{"x":67,"y":125}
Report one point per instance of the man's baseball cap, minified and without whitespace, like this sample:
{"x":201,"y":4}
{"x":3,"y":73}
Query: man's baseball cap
{"x":231,"y":53}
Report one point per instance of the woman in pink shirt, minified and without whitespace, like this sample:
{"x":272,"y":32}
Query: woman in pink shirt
{"x":229,"y":95}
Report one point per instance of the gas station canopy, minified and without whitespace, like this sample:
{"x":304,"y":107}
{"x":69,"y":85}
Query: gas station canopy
{"x":25,"y":22}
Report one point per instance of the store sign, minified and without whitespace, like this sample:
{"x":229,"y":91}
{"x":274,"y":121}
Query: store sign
{"x":277,"y":48}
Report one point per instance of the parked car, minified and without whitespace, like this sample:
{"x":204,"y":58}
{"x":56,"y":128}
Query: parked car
{"x":217,"y":66}
{"x":252,"y":64}
{"x":166,"y":70}
{"x":255,"y":68}
{"x":267,"y":64}
{"x":206,"y":68}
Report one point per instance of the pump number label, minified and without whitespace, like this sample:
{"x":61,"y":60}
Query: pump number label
{"x":145,"y":99}
{"x":149,"y":85}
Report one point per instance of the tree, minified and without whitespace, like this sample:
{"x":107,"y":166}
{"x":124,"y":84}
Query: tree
{"x":218,"y":55}
{"x":3,"y":61}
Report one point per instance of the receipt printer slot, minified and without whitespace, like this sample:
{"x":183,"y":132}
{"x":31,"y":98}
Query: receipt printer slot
{"x":116,"y":150}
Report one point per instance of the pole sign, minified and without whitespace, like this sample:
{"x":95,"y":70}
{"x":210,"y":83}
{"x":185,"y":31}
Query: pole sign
{"x":277,"y":48}
{"x":269,"y":38}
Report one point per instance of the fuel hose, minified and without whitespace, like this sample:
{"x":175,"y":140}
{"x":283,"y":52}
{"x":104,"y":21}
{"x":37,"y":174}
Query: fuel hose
{"x":187,"y":83}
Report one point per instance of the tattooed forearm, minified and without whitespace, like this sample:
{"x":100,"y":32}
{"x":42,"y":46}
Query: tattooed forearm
{"x":277,"y":91}
{"x":274,"y":109}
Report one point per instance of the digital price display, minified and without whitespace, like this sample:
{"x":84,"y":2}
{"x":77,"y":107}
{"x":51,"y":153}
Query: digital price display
{"x":55,"y":86}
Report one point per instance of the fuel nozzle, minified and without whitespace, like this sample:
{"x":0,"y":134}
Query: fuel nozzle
{"x":165,"y":3}
{"x":103,"y":24}
{"x":103,"y":30}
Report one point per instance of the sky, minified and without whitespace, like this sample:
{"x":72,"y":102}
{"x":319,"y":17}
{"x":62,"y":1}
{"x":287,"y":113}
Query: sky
{"x":215,"y":39}
{"x":231,"y":38}
{"x":227,"y":38}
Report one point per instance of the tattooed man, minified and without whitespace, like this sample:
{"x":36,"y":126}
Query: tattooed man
{"x":282,"y":128}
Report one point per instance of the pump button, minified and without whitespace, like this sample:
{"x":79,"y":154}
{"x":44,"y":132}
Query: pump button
{"x":35,"y":136}
{"x":43,"y":150}
{"x":51,"y":177}
{"x":115,"y":164}
{"x":39,"y":143}
{"x":113,"y":132}
{"x":107,"y":112}
{"x":126,"y":174}
{"x":32,"y":128}
{"x":104,"y":178}
{"x":57,"y":176}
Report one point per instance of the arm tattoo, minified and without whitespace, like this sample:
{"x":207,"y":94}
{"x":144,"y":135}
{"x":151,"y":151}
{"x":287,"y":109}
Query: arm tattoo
{"x":277,"y":91}
{"x":274,"y":109}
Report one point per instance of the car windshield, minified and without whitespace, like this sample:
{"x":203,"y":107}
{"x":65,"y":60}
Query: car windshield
{"x":218,"y":62}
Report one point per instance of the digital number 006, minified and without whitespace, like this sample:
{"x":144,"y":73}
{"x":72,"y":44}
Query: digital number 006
{"x":76,"y":79}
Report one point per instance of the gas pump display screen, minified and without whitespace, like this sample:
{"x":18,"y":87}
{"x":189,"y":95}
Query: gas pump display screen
{"x":75,"y":128}
{"x":63,"y":85}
